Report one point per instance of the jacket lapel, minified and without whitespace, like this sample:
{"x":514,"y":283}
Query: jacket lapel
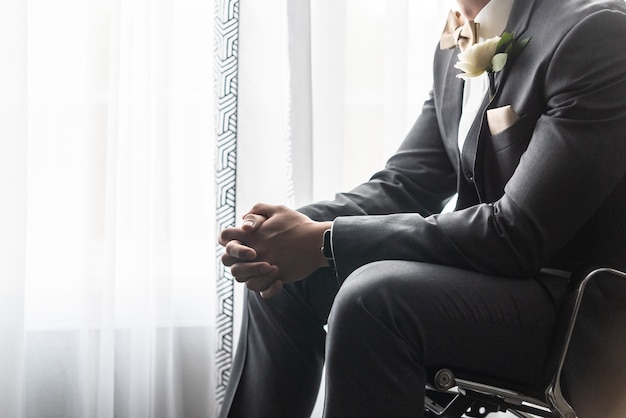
{"x":451,"y":93}
{"x":517,"y":24}
{"x":452,"y":99}
{"x":520,"y":16}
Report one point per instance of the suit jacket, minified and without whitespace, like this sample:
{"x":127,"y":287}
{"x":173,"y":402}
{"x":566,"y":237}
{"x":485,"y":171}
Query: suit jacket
{"x":548,"y":191}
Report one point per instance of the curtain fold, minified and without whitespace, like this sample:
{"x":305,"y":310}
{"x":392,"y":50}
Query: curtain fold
{"x":13,"y":186}
{"x":107,"y":219}
{"x":299,"y":102}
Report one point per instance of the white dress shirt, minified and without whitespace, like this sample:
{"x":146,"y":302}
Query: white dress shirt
{"x":492,"y":19}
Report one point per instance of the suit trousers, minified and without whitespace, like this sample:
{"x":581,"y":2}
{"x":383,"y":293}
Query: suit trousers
{"x":390,"y":325}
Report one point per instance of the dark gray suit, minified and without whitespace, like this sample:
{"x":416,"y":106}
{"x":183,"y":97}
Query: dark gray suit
{"x":417,"y":289}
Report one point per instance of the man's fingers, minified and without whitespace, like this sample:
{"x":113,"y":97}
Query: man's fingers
{"x":262,"y":283}
{"x":266,"y":210}
{"x":252,"y":222}
{"x":258,"y":276}
{"x":229,"y":261}
{"x":258,"y":271}
{"x":236,"y":251}
{"x":271,"y":291}
{"x":229,"y":234}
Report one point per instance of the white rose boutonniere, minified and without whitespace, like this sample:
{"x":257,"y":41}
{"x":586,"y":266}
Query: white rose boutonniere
{"x":476,"y":59}
{"x":489,"y":56}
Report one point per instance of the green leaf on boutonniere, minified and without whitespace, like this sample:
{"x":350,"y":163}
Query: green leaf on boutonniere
{"x":507,"y":47}
{"x":506,"y":39}
{"x":499,"y":61}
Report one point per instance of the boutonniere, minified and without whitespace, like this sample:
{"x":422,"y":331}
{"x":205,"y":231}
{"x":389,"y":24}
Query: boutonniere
{"x":489,"y":56}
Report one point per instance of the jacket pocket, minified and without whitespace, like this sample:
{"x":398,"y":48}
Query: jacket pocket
{"x":519,"y":132}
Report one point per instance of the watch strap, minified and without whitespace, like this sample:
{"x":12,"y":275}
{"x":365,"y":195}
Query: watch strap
{"x":327,"y":249}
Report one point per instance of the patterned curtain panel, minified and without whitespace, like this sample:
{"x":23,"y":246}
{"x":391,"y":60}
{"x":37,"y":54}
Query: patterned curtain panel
{"x":226,"y":78}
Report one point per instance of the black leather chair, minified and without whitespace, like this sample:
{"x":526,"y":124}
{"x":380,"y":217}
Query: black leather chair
{"x":589,"y":364}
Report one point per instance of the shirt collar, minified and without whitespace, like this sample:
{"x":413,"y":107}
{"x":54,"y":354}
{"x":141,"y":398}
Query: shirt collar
{"x":493,"y":18}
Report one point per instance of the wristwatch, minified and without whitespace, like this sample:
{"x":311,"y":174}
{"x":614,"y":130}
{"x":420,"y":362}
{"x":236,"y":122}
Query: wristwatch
{"x":327,"y":250}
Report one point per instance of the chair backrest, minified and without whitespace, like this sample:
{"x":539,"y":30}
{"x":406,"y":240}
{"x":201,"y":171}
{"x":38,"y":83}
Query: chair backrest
{"x":591,"y":376}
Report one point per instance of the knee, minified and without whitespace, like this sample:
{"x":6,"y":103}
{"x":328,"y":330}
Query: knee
{"x":363,"y":296}
{"x":390,"y":291}
{"x":379,"y":300}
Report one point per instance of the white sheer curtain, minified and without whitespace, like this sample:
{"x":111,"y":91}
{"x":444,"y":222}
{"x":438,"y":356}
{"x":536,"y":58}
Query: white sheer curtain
{"x":372,"y":64}
{"x":107,"y":210}
{"x":328,"y":90}
{"x":341,"y":81}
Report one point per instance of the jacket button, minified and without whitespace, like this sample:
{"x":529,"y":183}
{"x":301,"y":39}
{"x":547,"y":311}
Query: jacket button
{"x":469,"y":175}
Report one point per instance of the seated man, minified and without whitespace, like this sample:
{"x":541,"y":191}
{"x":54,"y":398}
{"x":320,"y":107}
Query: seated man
{"x":533,"y":140}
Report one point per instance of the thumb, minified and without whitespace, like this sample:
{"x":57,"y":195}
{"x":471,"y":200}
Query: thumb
{"x":252,"y":222}
{"x":266,"y":210}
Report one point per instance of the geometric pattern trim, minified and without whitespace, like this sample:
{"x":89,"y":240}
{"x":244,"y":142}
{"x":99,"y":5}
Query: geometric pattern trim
{"x":226,"y":79}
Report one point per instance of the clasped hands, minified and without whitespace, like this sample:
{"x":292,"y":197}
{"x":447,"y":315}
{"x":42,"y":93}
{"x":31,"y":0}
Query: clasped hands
{"x":274,"y":245}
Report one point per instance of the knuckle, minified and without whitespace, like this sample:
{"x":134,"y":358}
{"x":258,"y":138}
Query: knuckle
{"x":233,"y":249}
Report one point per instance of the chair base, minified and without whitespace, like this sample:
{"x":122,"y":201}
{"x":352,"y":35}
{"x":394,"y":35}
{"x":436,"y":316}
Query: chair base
{"x":450,"y":397}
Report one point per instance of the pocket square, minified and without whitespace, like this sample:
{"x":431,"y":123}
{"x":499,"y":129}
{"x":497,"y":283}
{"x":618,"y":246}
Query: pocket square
{"x":501,"y":118}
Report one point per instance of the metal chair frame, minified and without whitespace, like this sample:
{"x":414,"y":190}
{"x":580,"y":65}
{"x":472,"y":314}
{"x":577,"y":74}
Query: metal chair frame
{"x":452,"y":397}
